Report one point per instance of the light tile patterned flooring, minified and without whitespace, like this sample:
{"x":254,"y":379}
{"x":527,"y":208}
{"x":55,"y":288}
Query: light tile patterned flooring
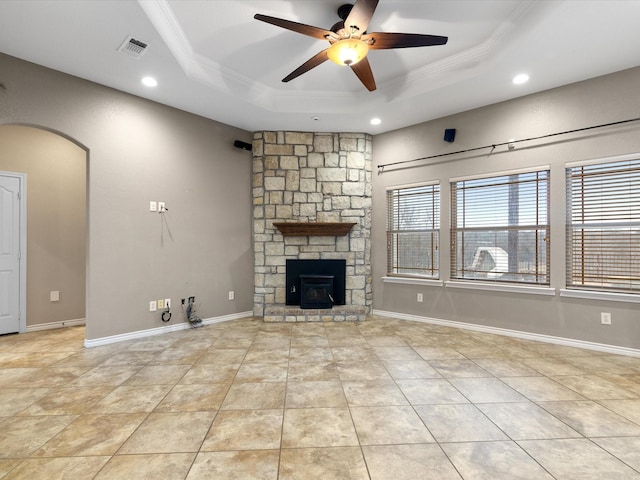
{"x":384,"y":399}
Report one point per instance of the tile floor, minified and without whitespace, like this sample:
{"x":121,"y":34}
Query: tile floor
{"x":384,"y":400}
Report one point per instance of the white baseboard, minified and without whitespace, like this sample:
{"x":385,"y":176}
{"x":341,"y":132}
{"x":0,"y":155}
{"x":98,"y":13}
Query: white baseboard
{"x":161,"y":330}
{"x":51,"y":325}
{"x":570,"y":342}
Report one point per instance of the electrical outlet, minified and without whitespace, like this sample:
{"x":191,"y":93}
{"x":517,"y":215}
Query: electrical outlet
{"x":232,"y":295}
{"x":167,"y":303}
{"x":419,"y":298}
{"x":605,"y":318}
{"x":162,"y":207}
{"x":153,"y":206}
{"x":160,"y":304}
{"x":153,"y":306}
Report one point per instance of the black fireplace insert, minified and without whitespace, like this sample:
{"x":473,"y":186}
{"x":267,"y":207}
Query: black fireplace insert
{"x":319,"y":268}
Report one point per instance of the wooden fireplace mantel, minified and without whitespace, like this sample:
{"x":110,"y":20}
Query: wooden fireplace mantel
{"x":306,"y":229}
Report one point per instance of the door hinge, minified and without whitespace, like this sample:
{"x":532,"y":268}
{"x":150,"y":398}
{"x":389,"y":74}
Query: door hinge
{"x":19,"y":195}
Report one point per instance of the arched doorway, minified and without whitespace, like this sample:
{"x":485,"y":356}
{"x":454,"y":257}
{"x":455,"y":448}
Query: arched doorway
{"x":55,"y":169}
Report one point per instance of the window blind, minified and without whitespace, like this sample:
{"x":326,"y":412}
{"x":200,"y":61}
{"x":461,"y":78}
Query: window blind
{"x":603,"y":226}
{"x":500,"y":228}
{"x":413,"y":229}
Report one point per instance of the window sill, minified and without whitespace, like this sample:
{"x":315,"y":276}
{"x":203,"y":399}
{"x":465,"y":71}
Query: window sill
{"x":414,"y":281}
{"x":594,"y":295}
{"x":534,"y":290}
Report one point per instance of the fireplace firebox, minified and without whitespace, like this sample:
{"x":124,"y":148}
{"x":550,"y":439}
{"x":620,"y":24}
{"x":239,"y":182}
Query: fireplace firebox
{"x":316,"y":291}
{"x":324,"y":283}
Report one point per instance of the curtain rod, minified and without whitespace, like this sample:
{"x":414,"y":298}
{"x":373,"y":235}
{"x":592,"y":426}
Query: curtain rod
{"x":494,"y":145}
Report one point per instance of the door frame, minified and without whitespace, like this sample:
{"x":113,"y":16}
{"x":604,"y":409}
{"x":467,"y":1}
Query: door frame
{"x":22,"y":263}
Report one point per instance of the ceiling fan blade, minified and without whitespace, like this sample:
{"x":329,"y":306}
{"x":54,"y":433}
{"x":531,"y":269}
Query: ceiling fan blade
{"x":308,"y":65}
{"x":309,"y":30}
{"x":383,"y":40}
{"x":363,"y":71}
{"x":360,"y":15}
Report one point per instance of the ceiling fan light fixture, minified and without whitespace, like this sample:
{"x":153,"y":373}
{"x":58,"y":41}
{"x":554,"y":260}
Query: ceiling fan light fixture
{"x":349,"y":41}
{"x":348,"y":51}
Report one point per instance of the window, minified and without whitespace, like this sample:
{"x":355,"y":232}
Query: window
{"x":413,"y":228}
{"x":500,"y":228}
{"x":603,"y":226}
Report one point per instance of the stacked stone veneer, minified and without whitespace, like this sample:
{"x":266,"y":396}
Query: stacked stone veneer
{"x":311,"y":177}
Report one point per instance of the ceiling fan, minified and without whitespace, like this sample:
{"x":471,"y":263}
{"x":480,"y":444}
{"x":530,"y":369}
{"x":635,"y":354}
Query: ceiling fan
{"x":350,"y":42}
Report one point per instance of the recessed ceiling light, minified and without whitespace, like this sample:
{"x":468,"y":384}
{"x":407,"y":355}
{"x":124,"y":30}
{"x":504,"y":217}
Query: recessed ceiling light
{"x":521,"y":78}
{"x":376,"y":121}
{"x":149,"y":82}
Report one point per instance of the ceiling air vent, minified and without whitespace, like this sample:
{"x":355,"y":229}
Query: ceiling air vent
{"x":134,"y":47}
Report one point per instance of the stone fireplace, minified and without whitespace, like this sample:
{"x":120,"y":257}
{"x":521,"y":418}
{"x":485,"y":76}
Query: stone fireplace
{"x":311,"y":201}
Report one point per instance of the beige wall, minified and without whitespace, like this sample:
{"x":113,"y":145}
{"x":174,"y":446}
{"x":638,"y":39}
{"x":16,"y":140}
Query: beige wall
{"x":597,"y":101}
{"x":56,"y":220}
{"x":140,"y":151}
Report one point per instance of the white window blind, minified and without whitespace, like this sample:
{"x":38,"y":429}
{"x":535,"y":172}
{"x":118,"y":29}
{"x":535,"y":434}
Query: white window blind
{"x":413,"y":229}
{"x":603,"y":226}
{"x":500,"y":228}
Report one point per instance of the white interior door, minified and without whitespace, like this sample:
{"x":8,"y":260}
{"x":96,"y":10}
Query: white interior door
{"x":11,"y":264}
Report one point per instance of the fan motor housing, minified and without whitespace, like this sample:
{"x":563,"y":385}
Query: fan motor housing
{"x":344,"y":11}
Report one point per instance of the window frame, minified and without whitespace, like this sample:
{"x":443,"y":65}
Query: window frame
{"x":433,"y":207}
{"x":542,"y":278}
{"x":580,"y":289}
